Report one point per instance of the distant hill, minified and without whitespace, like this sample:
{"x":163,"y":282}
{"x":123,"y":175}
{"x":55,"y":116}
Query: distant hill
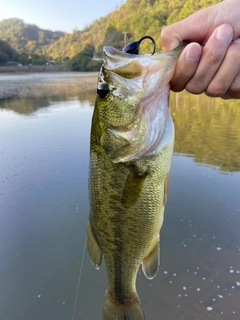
{"x":136,"y":18}
{"x":27,"y":38}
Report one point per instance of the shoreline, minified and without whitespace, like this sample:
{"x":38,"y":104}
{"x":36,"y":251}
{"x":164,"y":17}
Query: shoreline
{"x":30,"y":85}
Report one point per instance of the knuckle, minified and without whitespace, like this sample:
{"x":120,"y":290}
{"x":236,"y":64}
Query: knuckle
{"x":177,"y":87}
{"x":216,"y":89}
{"x":233,"y":52}
{"x":170,"y":38}
{"x":235,"y":89}
{"x":164,"y":35}
{"x":231,"y":95}
{"x":215,"y":56}
{"x":165,"y":38}
{"x":235,"y":86}
{"x":195,"y":87}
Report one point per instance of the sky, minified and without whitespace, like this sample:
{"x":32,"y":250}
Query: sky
{"x":62,"y":15}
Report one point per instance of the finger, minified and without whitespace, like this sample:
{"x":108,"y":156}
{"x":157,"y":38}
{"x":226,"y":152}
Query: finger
{"x":197,"y":27}
{"x":234,"y":90}
{"x":186,"y":66}
{"x":223,"y":81}
{"x":212,"y":57}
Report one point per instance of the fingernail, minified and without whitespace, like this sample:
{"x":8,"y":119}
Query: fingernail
{"x":192,"y":55}
{"x":225,"y":32}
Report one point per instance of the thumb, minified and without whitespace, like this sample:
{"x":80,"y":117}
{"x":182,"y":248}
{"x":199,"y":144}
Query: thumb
{"x":170,"y":37}
{"x":197,"y":27}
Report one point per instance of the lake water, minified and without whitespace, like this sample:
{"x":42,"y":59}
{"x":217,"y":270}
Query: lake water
{"x":44,"y":147}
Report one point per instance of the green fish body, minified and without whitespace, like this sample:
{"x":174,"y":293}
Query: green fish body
{"x":131,"y":147}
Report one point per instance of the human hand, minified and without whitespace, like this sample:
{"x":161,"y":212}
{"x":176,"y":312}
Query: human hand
{"x":211,"y":63}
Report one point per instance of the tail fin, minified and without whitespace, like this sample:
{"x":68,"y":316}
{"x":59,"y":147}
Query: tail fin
{"x":127,"y":310}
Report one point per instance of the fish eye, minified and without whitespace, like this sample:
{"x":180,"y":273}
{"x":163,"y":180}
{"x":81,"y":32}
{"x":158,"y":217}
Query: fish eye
{"x":102,"y":90}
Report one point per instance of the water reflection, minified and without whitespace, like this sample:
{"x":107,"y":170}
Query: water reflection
{"x":207,"y":130}
{"x":44,"y":210}
{"x":43,"y":207}
{"x":27,"y":106}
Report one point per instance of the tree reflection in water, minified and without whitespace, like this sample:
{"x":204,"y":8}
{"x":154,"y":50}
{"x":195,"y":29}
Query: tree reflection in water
{"x":207,"y":129}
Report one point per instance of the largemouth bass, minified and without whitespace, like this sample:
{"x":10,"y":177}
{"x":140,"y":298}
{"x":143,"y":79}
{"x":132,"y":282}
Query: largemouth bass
{"x":132,"y":138}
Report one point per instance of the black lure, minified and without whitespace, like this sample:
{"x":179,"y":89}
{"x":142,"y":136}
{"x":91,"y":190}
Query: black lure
{"x":134,"y":47}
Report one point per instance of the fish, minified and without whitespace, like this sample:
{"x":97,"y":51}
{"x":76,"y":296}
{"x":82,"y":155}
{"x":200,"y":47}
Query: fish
{"x":131,"y":146}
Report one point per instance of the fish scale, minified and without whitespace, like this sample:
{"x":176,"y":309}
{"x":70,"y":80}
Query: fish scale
{"x":128,"y":188}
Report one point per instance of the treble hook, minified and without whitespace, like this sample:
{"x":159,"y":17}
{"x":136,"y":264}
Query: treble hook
{"x":133,"y":47}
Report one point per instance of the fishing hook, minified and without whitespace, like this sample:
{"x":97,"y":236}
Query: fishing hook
{"x":133,"y":47}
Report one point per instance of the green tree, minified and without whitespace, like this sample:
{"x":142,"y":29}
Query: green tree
{"x":136,"y":17}
{"x":38,"y":60}
{"x":3,"y":59}
{"x":7,"y":53}
{"x":83,"y":60}
{"x":23,"y":58}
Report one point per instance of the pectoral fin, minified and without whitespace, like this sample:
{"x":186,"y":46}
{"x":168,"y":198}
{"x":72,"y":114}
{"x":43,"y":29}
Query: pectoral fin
{"x":133,"y":187}
{"x":94,"y":249}
{"x":165,"y":191}
{"x":151,"y":263}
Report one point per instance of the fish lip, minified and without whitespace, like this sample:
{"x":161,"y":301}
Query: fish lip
{"x":115,"y":59}
{"x":147,"y":77}
{"x":112,"y":53}
{"x":119,"y":65}
{"x":119,"y":61}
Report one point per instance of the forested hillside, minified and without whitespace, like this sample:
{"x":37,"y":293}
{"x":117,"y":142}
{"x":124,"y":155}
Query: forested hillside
{"x":135,"y":17}
{"x":27,"y":38}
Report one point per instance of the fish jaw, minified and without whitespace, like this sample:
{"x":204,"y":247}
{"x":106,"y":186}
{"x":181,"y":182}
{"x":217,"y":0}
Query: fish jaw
{"x":142,"y":80}
{"x":127,"y":199}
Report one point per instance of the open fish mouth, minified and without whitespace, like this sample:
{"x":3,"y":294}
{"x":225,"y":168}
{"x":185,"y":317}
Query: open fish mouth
{"x":122,"y":63}
{"x":141,"y":79}
{"x":131,"y":123}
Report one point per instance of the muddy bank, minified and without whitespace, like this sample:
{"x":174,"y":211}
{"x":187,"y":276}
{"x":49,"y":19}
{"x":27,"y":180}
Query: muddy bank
{"x":46,"y":84}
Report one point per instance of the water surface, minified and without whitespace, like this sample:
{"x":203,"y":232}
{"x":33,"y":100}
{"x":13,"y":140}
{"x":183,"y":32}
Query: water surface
{"x":44,"y":146}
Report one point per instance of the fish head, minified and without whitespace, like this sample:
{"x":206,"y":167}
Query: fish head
{"x":132,"y":101}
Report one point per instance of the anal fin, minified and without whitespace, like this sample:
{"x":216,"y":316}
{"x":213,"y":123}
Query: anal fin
{"x":151,"y":263}
{"x":94,"y":249}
